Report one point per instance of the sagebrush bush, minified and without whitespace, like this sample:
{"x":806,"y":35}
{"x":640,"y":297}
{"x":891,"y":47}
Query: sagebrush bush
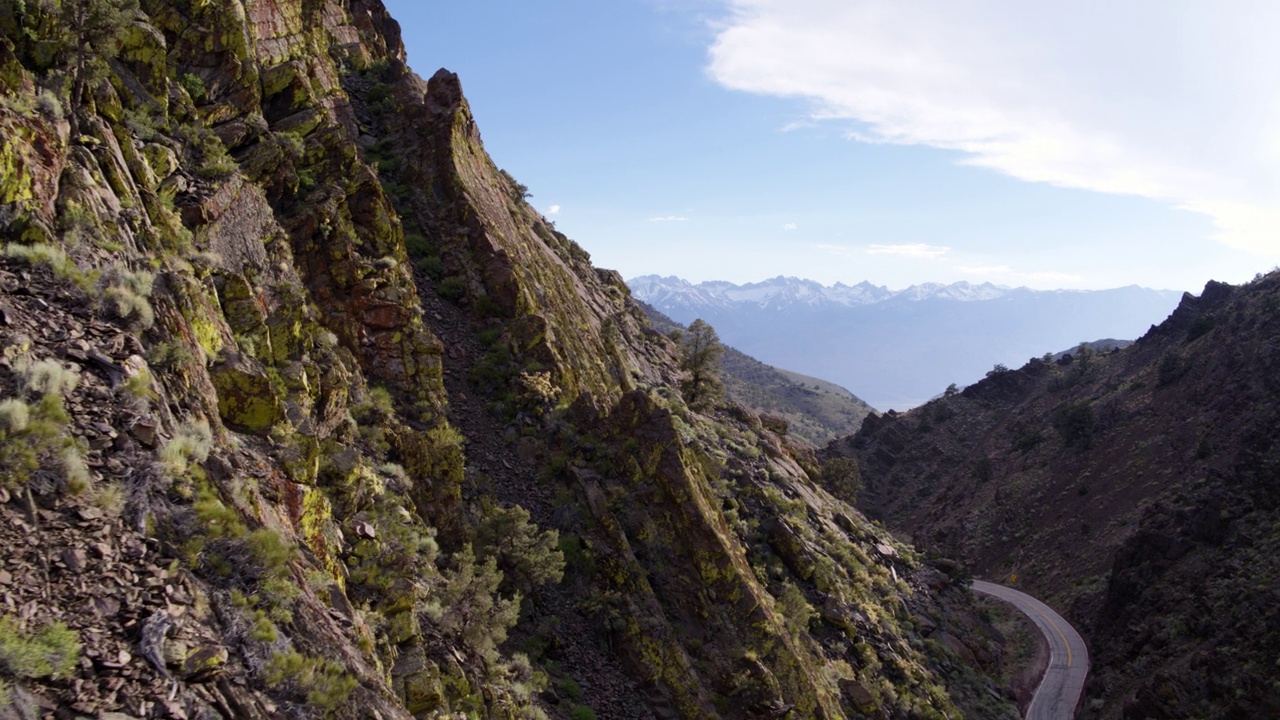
{"x":130,"y":293}
{"x":75,"y":470}
{"x":49,"y":105}
{"x":46,"y":377}
{"x":14,"y":414}
{"x":110,"y":498}
{"x":61,"y":264}
{"x":130,"y":304}
{"x":33,"y":437}
{"x":191,"y":443}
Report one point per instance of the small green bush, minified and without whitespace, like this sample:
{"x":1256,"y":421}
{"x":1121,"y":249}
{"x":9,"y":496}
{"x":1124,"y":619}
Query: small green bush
{"x":569,"y":688}
{"x":51,"y":651}
{"x":271,"y":550}
{"x":1075,"y":424}
{"x":325,"y":683}
{"x":292,"y":143}
{"x":1171,"y":368}
{"x":432,"y":265}
{"x":378,"y":93}
{"x":145,"y":125}
{"x":795,"y":609}
{"x":1027,"y":439}
{"x":307,"y":181}
{"x":217,"y":168}
{"x":216,"y":520}
{"x":453,"y":288}
{"x":138,"y":385}
{"x":842,"y":478}
{"x":194,"y":86}
{"x":582,"y":712}
{"x":1200,"y":326}
{"x":417,"y":245}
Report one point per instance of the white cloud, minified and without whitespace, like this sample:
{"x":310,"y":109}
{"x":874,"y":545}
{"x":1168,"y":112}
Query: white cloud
{"x":790,"y":226}
{"x":798,"y":125}
{"x":1174,"y":100}
{"x":669,"y":218}
{"x":553,"y":210}
{"x":918,"y":251}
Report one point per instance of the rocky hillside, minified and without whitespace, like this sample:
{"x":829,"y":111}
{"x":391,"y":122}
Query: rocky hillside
{"x":1137,"y":487}
{"x":305,"y":412}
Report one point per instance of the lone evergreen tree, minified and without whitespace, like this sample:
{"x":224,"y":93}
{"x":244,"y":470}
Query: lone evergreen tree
{"x":702,"y":353}
{"x":94,"y":28}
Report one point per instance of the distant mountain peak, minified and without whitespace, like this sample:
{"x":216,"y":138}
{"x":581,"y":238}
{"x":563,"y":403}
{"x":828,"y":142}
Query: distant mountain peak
{"x":897,"y":348}
{"x":787,"y":290}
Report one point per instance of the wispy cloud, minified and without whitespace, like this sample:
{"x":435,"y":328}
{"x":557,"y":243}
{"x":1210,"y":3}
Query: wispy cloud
{"x":918,"y":251}
{"x":553,"y":210}
{"x":798,"y":125}
{"x":669,"y":218}
{"x":790,"y":226}
{"x":1174,"y":100}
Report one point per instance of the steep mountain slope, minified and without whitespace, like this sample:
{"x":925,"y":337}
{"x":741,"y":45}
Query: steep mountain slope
{"x":304,"y":411}
{"x":1138,"y":487}
{"x":898,"y":349}
{"x":813,"y":409}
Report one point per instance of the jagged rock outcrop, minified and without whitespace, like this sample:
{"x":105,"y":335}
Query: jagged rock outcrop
{"x":270,"y":392}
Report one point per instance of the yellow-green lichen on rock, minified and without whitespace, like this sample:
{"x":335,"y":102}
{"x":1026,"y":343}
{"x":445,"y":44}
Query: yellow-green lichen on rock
{"x":247,"y":396}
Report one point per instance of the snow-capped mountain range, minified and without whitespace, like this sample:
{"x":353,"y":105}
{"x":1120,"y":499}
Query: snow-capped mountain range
{"x":896,"y":349}
{"x":780,"y":292}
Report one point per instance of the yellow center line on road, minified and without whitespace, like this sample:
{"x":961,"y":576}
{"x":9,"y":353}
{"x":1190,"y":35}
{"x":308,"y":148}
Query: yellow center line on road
{"x":1060,"y":633}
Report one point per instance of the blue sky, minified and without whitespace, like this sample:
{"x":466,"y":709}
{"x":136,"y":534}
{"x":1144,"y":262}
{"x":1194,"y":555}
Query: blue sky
{"x":1093,"y":145}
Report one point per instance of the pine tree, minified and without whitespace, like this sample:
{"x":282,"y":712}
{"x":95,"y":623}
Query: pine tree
{"x":94,"y":28}
{"x":701,"y":360}
{"x":527,"y":558}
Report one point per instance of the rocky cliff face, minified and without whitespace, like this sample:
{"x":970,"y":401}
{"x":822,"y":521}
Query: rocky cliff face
{"x":303,"y":411}
{"x":1135,"y":486}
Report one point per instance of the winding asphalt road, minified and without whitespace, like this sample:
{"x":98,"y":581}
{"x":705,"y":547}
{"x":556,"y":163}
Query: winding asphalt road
{"x":1059,"y":691}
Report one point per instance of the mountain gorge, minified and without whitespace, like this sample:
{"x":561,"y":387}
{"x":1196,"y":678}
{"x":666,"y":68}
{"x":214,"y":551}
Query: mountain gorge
{"x":306,"y":412}
{"x":812,"y":409}
{"x":898,"y":349}
{"x":1136,"y":487}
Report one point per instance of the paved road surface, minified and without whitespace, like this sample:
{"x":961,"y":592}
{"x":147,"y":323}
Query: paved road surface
{"x":1059,"y":691}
